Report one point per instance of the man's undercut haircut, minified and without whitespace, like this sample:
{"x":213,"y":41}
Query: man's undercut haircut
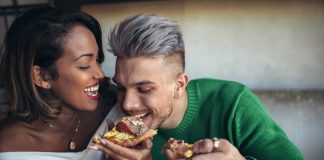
{"x":147,"y":36}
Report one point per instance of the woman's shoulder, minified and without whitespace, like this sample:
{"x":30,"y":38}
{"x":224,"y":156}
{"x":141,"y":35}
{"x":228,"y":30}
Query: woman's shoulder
{"x":11,"y":134}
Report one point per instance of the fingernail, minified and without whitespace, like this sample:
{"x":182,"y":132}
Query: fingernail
{"x":93,"y":147}
{"x":150,"y":145}
{"x":102,"y":141}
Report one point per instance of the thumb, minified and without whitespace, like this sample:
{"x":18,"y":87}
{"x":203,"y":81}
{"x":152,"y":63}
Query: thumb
{"x":169,"y":154}
{"x":147,"y":144}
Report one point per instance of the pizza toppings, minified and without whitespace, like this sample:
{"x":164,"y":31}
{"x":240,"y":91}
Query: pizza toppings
{"x":132,"y":125}
{"x":179,"y":148}
{"x":123,"y":127}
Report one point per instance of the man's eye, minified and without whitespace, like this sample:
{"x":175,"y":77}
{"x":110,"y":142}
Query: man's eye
{"x":144,"y":89}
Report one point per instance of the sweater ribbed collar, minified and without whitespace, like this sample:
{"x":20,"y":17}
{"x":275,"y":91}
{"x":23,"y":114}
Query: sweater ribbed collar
{"x":192,"y":109}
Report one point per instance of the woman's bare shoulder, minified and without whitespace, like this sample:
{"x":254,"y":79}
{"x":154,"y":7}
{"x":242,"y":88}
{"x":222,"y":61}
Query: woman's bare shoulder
{"x":12,"y":136}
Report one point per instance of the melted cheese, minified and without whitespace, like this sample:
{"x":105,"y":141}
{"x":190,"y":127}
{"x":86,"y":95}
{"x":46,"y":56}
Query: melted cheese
{"x":188,"y":153}
{"x":120,"y":135}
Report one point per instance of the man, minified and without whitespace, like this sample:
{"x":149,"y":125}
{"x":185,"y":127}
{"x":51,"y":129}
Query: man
{"x":151,"y":83}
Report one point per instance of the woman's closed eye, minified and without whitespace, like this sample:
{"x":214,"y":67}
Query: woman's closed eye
{"x":84,"y":67}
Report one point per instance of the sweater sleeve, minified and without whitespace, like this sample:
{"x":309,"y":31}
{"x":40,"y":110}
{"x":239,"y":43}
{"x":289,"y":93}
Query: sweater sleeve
{"x":255,"y":134}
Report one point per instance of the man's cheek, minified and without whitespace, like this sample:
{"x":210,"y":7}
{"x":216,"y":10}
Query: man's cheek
{"x":152,"y":101}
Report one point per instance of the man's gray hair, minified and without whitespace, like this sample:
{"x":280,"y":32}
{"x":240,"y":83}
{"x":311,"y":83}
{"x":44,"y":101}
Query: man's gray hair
{"x":143,"y":35}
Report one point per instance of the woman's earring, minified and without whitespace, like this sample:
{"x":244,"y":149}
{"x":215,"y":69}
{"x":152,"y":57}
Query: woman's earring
{"x":49,"y":85}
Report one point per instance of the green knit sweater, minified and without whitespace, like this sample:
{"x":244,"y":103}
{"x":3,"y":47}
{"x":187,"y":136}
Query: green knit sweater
{"x":229,"y":110}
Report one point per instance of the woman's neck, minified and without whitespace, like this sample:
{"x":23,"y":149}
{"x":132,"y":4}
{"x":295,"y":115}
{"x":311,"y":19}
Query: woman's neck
{"x":67,"y":119}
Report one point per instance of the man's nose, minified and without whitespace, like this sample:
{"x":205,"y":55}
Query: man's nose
{"x":130,"y":101}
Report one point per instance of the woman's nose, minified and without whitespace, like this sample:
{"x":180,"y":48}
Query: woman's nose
{"x":99,"y":74}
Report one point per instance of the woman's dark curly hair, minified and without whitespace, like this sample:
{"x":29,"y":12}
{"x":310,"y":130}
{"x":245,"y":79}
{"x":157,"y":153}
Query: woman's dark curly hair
{"x":36,"y":38}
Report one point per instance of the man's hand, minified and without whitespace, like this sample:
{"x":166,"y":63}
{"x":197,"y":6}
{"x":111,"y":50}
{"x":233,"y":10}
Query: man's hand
{"x":210,"y":149}
{"x":141,"y":151}
{"x":117,"y":152}
{"x":219,"y":149}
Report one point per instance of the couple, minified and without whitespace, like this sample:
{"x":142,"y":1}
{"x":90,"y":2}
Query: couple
{"x":51,"y":79}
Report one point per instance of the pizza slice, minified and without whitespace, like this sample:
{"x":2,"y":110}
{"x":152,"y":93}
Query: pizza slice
{"x":128,"y":132}
{"x":179,"y":148}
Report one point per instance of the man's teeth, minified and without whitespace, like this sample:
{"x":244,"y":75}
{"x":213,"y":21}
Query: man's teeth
{"x":141,"y":115}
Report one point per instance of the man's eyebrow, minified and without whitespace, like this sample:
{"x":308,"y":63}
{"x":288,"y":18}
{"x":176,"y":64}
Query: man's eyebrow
{"x":84,"y":55}
{"x":145,"y":82}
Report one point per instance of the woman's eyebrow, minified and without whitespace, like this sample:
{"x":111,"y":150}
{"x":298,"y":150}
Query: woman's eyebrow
{"x":84,"y":55}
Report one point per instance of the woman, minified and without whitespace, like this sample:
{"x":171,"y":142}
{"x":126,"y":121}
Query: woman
{"x":49,"y":79}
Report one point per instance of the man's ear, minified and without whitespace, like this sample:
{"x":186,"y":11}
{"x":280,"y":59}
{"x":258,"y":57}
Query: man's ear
{"x":180,"y":85}
{"x":38,"y":78}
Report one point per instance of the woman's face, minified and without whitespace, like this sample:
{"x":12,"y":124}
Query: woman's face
{"x":79,"y":71}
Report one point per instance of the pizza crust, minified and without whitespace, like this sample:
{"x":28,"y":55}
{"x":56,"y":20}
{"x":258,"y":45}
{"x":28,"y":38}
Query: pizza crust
{"x":130,"y":140}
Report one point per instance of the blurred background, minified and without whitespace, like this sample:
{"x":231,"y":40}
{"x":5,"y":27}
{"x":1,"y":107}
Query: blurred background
{"x":274,"y":47}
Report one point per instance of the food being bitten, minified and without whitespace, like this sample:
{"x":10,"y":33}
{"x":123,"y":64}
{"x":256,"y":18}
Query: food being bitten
{"x":130,"y":131}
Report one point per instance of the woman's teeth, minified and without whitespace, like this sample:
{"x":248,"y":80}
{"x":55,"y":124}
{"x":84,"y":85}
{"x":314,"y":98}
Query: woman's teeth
{"x":92,"y":91}
{"x":93,"y":88}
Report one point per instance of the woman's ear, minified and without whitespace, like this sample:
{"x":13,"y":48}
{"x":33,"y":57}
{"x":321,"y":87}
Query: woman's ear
{"x":38,"y":78}
{"x":181,"y":84}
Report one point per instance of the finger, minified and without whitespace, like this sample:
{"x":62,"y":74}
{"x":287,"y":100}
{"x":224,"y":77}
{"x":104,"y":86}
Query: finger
{"x":169,"y":154}
{"x":108,"y":152}
{"x":203,"y":146}
{"x":212,"y":155}
{"x":119,"y":150}
{"x":147,"y":144}
{"x":222,"y":145}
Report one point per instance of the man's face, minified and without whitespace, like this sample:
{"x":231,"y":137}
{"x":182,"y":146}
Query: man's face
{"x":79,"y":71}
{"x":146,"y":89}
